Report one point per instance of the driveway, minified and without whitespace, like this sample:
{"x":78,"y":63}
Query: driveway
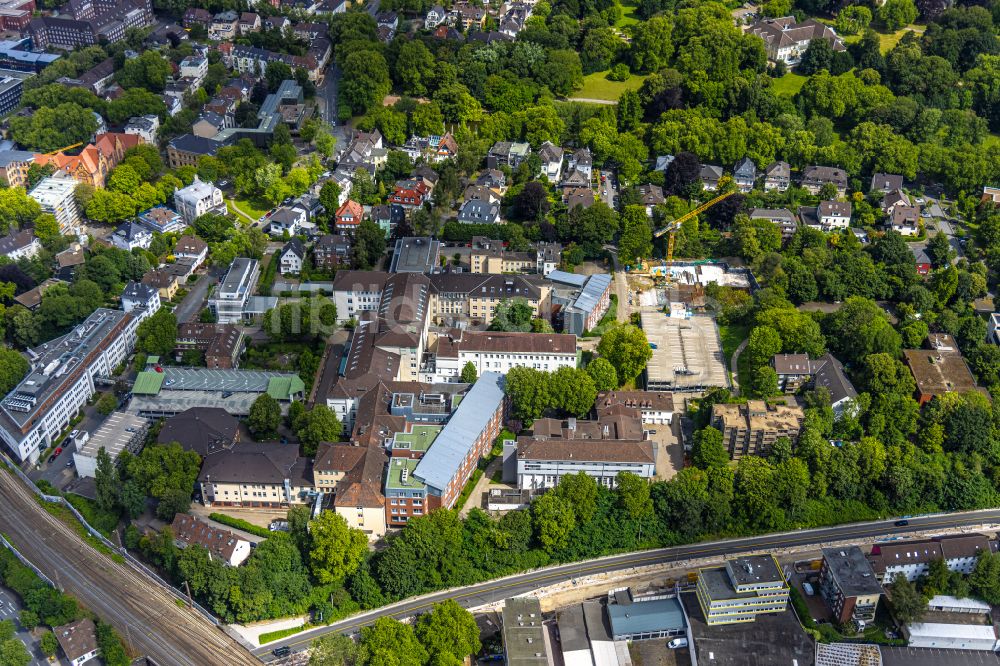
{"x":10,"y":610}
{"x":194,"y":301}
{"x":59,"y":473}
{"x":669,"y":452}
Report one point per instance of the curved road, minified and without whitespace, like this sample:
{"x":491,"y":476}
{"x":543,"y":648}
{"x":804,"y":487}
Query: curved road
{"x":484,"y":593}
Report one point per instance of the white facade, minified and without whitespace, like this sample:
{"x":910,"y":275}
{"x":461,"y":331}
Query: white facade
{"x":195,"y":67}
{"x":62,"y":384}
{"x":994,"y":335}
{"x":233,"y":293}
{"x":56,"y":196}
{"x":141,"y":300}
{"x":291,"y":262}
{"x":952,"y":636}
{"x":130,"y":236}
{"x":538,"y":474}
{"x":350,"y":303}
{"x":450,"y":369}
{"x":145,"y":127}
{"x":197,"y":199}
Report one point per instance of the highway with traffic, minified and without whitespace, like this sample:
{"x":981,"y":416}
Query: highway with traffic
{"x":144,"y":613}
{"x":486,"y":593}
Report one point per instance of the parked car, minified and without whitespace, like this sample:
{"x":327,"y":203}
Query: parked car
{"x":902,"y":523}
{"x":74,"y":434}
{"x":808,"y":589}
{"x":282,"y":651}
{"x":52,"y":458}
{"x":677,"y":643}
{"x":57,"y":451}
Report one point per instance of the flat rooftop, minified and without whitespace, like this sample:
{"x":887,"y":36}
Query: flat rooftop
{"x":418,"y":439}
{"x":237,"y":275}
{"x":415,"y":255}
{"x":907,"y":656}
{"x":773,"y":639}
{"x":174,"y":402}
{"x":394,"y":478}
{"x":688,"y":353}
{"x":151,"y":382}
{"x":114,"y":435}
{"x":523,"y":632}
{"x":852,"y":571}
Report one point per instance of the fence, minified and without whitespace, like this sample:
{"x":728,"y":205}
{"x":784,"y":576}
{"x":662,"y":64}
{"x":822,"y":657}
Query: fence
{"x":128,"y":557}
{"x":26,"y":562}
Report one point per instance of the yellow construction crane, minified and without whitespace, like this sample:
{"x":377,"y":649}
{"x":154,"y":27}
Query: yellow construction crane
{"x":63,"y":149}
{"x":674,"y":225}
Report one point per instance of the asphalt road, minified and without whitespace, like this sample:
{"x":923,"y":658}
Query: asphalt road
{"x":145,"y":614}
{"x":485,"y":593}
{"x":10,"y":609}
{"x":189,"y":308}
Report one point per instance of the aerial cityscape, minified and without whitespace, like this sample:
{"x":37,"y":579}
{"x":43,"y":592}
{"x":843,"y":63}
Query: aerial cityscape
{"x":530,"y":332}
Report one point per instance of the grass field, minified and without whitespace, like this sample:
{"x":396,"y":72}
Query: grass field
{"x":598,"y":86}
{"x":789,"y":84}
{"x":628,"y":15}
{"x":251,"y":209}
{"x":890,"y":40}
{"x":732,"y":336}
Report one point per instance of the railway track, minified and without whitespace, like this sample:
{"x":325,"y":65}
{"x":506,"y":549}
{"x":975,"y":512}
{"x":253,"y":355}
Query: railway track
{"x":142,"y":611}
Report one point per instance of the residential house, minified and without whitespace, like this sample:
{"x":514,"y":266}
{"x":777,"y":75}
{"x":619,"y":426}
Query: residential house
{"x":249,"y":22}
{"x":21,"y":244}
{"x":815,"y":177}
{"x":193,"y":67}
{"x":552,"y":160}
{"x":905,"y":220}
{"x":575,"y":179}
{"x":994,"y":335}
{"x":494,"y":179}
{"x":331,"y":251}
{"x":162,"y":219}
{"x":507,"y":153}
{"x":796,"y":371}
{"x":663,"y":163}
{"x":581,"y":160}
{"x":208,"y":124}
{"x":130,"y":235}
{"x":286,"y":220}
{"x":224,"y":26}
{"x":777,"y":176}
{"x":650,"y":196}
{"x":388,"y":217}
{"x":745,"y":174}
{"x":786,"y":41}
{"x":752,"y":428}
{"x":387,"y":20}
{"x":163,"y":281}
{"x":221,"y":345}
{"x":435,"y":17}
{"x":710,"y":176}
{"x":291,"y":257}
{"x":578,"y":196}
{"x":892,"y":199}
{"x":348,"y":217}
{"x":921,"y":259}
{"x":991,"y":195}
{"x":191,"y":249}
{"x":469,"y":16}
{"x":480,"y":193}
{"x":834,"y":215}
{"x":221,"y":544}
{"x":940,"y":369}
{"x":479,"y":212}
{"x":78,"y":641}
{"x":783,"y":218}
{"x":196,"y":16}
{"x":410,"y":193}
{"x":277,"y":23}
{"x":912,"y":559}
{"x":197,"y":199}
{"x":885,"y":183}
{"x":140,"y":299}
{"x":431,"y":149}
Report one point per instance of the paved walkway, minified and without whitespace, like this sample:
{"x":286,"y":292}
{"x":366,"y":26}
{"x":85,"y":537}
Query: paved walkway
{"x":239,"y":211}
{"x":735,"y":365}
{"x":476,"y":498}
{"x":591,"y":100}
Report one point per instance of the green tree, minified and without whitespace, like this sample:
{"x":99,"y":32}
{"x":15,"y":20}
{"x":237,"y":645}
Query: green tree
{"x":764,"y":343}
{"x":604,"y":374}
{"x":708,"y":450}
{"x":580,"y":491}
{"x":906,"y":602}
{"x":14,"y":653}
{"x":389,"y":642}
{"x":13,"y":368}
{"x":264,"y":417}
{"x":512,"y":315}
{"x":469,"y":373}
{"x":448,"y":629}
{"x":627,"y":349}
{"x":334,"y":650}
{"x":554,"y":520}
{"x":896,"y":14}
{"x":107,"y":403}
{"x":336,"y":549}
{"x":157,"y":335}
{"x":319,"y":424}
{"x":107,"y":481}
{"x":369,"y":245}
{"x":49,"y":644}
{"x":632,"y":492}
{"x":52,"y":128}
{"x":636,"y":241}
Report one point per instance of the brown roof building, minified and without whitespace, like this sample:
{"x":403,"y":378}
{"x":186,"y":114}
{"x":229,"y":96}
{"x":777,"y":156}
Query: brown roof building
{"x":204,"y":430}
{"x":256,"y":475}
{"x":354,"y":474}
{"x":219,"y":543}
{"x":939,"y":370}
{"x":752,"y":428}
{"x":222,"y":344}
{"x":78,"y":640}
{"x":912,"y":558}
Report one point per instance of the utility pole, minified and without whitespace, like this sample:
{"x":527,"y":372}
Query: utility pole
{"x":188,"y":588}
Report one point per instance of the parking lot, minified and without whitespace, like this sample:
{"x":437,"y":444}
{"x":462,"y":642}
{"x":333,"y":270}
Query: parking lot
{"x":10,"y":610}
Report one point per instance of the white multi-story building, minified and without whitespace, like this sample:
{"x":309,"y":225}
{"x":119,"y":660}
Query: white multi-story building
{"x":194,"y":67}
{"x":233,"y":293}
{"x":56,"y":196}
{"x":357,"y":291}
{"x":994,"y":336}
{"x":61,"y":380}
{"x":494,"y":351}
{"x":145,"y":127}
{"x":912,"y":558}
{"x":541,"y":463}
{"x":197,"y":199}
{"x":140,"y":299}
{"x":291,"y":257}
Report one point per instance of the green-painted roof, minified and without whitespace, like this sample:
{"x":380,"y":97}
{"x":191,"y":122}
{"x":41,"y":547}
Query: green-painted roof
{"x":419,"y":439}
{"x":285,"y":388}
{"x":148,"y":382}
{"x":152,"y":360}
{"x":394,"y":478}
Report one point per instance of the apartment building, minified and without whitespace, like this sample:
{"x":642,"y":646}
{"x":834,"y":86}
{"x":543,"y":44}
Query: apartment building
{"x":87,"y":23}
{"x":460,"y":296}
{"x":543,"y":463}
{"x":752,"y":428}
{"x":353,"y":475}
{"x":61,"y":380}
{"x":222,"y":344}
{"x":652,"y":407}
{"x":742,"y":589}
{"x":14,"y":165}
{"x":849,"y":584}
{"x":140,"y":299}
{"x":56,"y":196}
{"x":912,"y":558}
{"x":234,"y":292}
{"x":498,"y":352}
{"x":466,"y":438}
{"x":197,"y":199}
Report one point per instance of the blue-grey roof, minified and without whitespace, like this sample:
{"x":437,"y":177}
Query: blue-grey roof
{"x":591,"y":294}
{"x":568,"y":278}
{"x":441,"y":462}
{"x":646,"y":617}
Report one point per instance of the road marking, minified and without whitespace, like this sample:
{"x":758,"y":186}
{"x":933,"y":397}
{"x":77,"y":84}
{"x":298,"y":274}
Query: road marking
{"x":718,"y":548}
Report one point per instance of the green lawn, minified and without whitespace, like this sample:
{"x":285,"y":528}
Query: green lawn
{"x":732,"y":336}
{"x":597,"y":86}
{"x":888,"y":41}
{"x":249,"y":208}
{"x":628,"y":14}
{"x":789,"y":84}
